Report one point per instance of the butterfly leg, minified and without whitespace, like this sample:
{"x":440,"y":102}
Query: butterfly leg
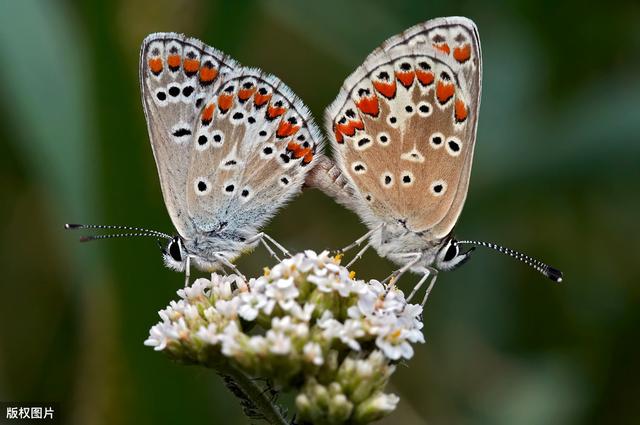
{"x":358,"y":255}
{"x":431,"y":284}
{"x":277,"y":245}
{"x":263,"y":238}
{"x":415,"y":257}
{"x":187,"y":271}
{"x":428,"y":272}
{"x":228,"y":264}
{"x":361,"y":239}
{"x":421,"y":282}
{"x":268,"y":248}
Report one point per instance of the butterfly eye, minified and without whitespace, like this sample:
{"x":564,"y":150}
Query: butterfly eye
{"x":452,"y":252}
{"x":174,"y":250}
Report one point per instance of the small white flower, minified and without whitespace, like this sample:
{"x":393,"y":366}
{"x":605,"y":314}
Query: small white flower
{"x":278,"y":342}
{"x":211,"y":314}
{"x":332,"y":283}
{"x":331,"y":326}
{"x":313,"y":353}
{"x":282,"y":324}
{"x":229,"y":338}
{"x":222,"y":286}
{"x":191,"y":312}
{"x":385,"y":402}
{"x":350,"y":332}
{"x":209,"y":334}
{"x":157,"y":338}
{"x":258,"y":344}
{"x":250,"y":304}
{"x":282,"y":292}
{"x":303,"y":313}
{"x":395,"y":345}
{"x":228,"y":308}
{"x":197,"y":289}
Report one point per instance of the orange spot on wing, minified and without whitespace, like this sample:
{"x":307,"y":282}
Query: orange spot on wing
{"x":462,"y":53}
{"x":406,"y":78}
{"x":244,"y":94}
{"x":369,"y":106}
{"x":261,"y":99}
{"x":444,"y":92}
{"x":300,"y":153}
{"x":357,"y":125}
{"x":275,"y":111}
{"x":308,"y":157}
{"x":388,"y":90}
{"x":207,"y":74}
{"x":191,"y":66}
{"x":425,"y":77}
{"x":285,"y":129}
{"x":461,"y":111}
{"x":339,"y":135}
{"x":174,"y":62}
{"x":293,"y":146}
{"x":155,"y":65}
{"x":346,"y":129}
{"x":207,"y":114}
{"x":443,"y":47}
{"x":349,"y":129}
{"x":225,"y":102}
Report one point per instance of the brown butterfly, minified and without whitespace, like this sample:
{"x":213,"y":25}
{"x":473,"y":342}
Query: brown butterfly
{"x":403,"y":130}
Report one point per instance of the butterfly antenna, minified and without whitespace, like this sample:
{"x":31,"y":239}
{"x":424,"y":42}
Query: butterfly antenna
{"x":550,"y":272}
{"x":137,"y":231}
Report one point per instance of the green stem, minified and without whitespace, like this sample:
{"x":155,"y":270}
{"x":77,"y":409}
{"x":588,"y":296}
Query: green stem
{"x":254,"y":400}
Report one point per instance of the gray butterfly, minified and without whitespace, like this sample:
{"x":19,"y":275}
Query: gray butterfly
{"x":403,"y":132}
{"x":232,"y":145}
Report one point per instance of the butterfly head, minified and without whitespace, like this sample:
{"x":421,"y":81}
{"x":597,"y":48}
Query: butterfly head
{"x":174,"y":254}
{"x":450,"y":256}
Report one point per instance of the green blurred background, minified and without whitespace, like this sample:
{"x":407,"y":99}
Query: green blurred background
{"x":556,"y":174}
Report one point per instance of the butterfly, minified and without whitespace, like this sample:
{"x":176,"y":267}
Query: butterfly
{"x":403,"y":131}
{"x":231,"y":144}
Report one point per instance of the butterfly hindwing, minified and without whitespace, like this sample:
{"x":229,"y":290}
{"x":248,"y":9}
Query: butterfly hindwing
{"x":253,"y":145}
{"x":404,"y":125}
{"x":177,"y":75}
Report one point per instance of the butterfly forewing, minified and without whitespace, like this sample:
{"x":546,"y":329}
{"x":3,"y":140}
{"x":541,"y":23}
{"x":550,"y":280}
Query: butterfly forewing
{"x":177,"y":75}
{"x":254,"y":143}
{"x":404,"y":124}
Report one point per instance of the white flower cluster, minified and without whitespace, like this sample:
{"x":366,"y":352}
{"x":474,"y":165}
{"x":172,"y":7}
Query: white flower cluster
{"x":305,"y":318}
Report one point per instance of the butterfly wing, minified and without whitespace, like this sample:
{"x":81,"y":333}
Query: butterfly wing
{"x":254,"y":143}
{"x":404,"y":125}
{"x":177,"y":75}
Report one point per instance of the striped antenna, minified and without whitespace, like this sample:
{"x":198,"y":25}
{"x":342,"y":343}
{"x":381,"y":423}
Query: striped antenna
{"x":545,"y":269}
{"x":137,"y":232}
